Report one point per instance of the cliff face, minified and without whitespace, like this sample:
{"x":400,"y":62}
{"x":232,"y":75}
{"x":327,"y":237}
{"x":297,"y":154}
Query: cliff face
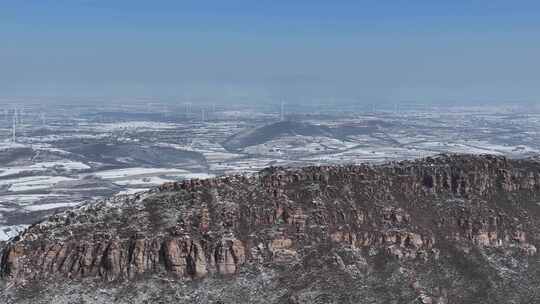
{"x":437,"y":213}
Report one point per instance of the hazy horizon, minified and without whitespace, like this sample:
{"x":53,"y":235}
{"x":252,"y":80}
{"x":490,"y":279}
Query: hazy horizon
{"x":366,"y":51}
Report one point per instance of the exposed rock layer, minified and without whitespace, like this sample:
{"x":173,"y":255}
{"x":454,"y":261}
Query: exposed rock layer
{"x":412,"y":211}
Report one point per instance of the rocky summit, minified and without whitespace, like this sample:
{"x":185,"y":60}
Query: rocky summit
{"x":445,"y":229}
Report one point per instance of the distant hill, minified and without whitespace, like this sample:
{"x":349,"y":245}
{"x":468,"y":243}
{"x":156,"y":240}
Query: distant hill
{"x":273,"y":131}
{"x":291,"y":128}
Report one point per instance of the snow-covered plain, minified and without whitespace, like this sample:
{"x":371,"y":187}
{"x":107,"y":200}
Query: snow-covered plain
{"x":58,"y":164}
{"x":33,"y":183}
{"x":64,"y":165}
{"x":147,"y":177}
{"x":132,"y":125}
{"x":130,"y":172}
{"x":41,"y":207}
{"x":29,"y":199}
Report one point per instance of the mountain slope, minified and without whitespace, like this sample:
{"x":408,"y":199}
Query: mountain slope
{"x":450,"y":229}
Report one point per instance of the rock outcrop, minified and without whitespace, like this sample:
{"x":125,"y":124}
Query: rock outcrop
{"x":418,"y":213}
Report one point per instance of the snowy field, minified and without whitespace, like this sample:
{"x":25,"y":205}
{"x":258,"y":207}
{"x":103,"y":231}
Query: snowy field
{"x":83,"y":155}
{"x":32,"y":183}
{"x":64,"y":165}
{"x":140,"y":179}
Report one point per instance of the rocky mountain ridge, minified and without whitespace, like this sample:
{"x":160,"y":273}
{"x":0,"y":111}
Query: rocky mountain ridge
{"x":329,"y":224}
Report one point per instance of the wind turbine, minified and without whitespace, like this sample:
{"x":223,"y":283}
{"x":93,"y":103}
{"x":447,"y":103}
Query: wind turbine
{"x":188,"y":108}
{"x":20,"y":116}
{"x":14,"y":127}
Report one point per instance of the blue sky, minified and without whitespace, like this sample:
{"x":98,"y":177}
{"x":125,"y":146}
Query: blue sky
{"x":366,"y":50}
